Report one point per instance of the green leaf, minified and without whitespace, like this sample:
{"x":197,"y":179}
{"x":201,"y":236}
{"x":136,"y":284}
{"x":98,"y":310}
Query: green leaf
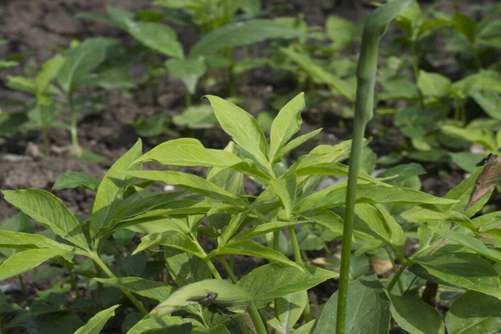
{"x":381,"y":222}
{"x":72,"y":180}
{"x":226,"y":294}
{"x":474,"y":313}
{"x":296,"y":142}
{"x":21,"y":83}
{"x":196,"y":117}
{"x":96,"y":324}
{"x":275,"y":280}
{"x":28,"y":259}
{"x":50,"y":211}
{"x":288,"y":310}
{"x":81,"y":60}
{"x":469,"y":241}
{"x":373,"y":193}
{"x":49,"y":71}
{"x":464,"y":270}
{"x":108,"y":191}
{"x":241,"y":33}
{"x":265,"y":228}
{"x":285,"y":189}
{"x":320,"y":75}
{"x":251,"y":248}
{"x":187,"y":70}
{"x":192,"y":182}
{"x":189,"y":152}
{"x":143,"y":287}
{"x":155,"y":325}
{"x":241,"y":126}
{"x":13,"y":239}
{"x":480,"y":136}
{"x":433,"y":84}
{"x":368,"y":310}
{"x":286,"y":124}
{"x":323,"y":154}
{"x":415,"y":316}
{"x":173,"y":239}
{"x":156,"y":36}
{"x":489,"y":101}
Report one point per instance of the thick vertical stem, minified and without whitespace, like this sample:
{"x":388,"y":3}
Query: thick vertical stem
{"x":73,"y":126}
{"x":374,"y":28}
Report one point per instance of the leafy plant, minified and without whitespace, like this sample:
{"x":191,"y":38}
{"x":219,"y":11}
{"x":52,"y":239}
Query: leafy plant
{"x":58,"y":81}
{"x":178,"y":228}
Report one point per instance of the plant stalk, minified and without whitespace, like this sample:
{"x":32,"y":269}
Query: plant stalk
{"x":73,"y":126}
{"x":374,"y":28}
{"x":100,"y":263}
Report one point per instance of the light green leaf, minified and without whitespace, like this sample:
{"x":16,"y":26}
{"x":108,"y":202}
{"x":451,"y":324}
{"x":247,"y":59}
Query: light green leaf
{"x":96,"y":324}
{"x":143,"y":287}
{"x":108,"y":191}
{"x":241,"y":126}
{"x":173,"y":239}
{"x":226,"y":294}
{"x":474,"y":313}
{"x":251,"y":248}
{"x":196,"y":117}
{"x":415,"y":316}
{"x":433,"y":84}
{"x":320,"y":75}
{"x":48,"y":72}
{"x":156,"y":324}
{"x":50,"y":211}
{"x":489,"y":101}
{"x":368,"y":310}
{"x":323,"y":154}
{"x":464,"y":270}
{"x":286,"y":124}
{"x":192,"y":182}
{"x":71,"y":180}
{"x":156,"y":36}
{"x":373,"y":193}
{"x":288,"y":310}
{"x":21,"y":83}
{"x":296,"y":142}
{"x":469,"y":241}
{"x":13,"y":239}
{"x":262,"y":229}
{"x":480,"y":136}
{"x":81,"y":60}
{"x":189,"y":152}
{"x":242,"y":33}
{"x":187,"y":70}
{"x":381,"y":222}
{"x":28,"y":259}
{"x":275,"y":280}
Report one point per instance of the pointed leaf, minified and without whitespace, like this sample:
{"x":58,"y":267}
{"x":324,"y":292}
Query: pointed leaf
{"x":26,"y":260}
{"x":143,"y":287}
{"x":415,"y":316}
{"x":286,"y":124}
{"x":96,"y":324}
{"x":173,"y":239}
{"x":474,"y":313}
{"x":48,"y":210}
{"x":12,"y":239}
{"x":251,"y":248}
{"x":225,"y":293}
{"x":189,"y":152}
{"x":156,"y":36}
{"x":108,"y":191}
{"x":241,"y":126}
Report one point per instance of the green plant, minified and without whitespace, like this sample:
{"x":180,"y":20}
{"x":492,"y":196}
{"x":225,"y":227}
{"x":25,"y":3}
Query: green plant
{"x":191,"y":238}
{"x":57,"y":83}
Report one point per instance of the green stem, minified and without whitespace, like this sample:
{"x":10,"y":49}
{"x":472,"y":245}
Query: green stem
{"x":295,"y":246}
{"x":100,"y":263}
{"x":396,"y":277}
{"x":256,"y":318}
{"x":374,"y":28}
{"x":73,"y":124}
